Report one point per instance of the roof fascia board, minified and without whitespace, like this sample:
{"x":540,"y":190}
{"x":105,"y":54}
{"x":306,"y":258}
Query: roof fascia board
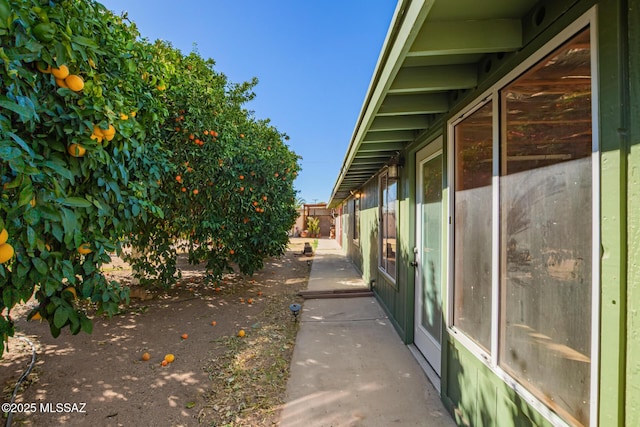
{"x":406,"y":23}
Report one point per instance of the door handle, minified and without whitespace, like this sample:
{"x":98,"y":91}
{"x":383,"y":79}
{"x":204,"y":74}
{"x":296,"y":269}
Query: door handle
{"x":414,"y":263}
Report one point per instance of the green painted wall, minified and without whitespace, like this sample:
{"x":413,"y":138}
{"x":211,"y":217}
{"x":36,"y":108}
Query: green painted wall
{"x":613,"y":212}
{"x":471,"y":391}
{"x":396,"y":298}
{"x":632,"y":398}
{"x":464,"y":372}
{"x":476,"y":397}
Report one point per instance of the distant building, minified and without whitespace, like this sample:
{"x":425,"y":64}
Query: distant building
{"x":316,"y":210}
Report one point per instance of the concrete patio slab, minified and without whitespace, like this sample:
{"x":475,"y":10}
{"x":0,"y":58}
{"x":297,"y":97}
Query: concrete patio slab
{"x":349,"y":366}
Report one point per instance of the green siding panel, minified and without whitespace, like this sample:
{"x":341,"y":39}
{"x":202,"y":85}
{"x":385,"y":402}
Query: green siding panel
{"x":613,"y":216}
{"x":477,"y":397}
{"x":394,"y":297}
{"x":633,"y":224}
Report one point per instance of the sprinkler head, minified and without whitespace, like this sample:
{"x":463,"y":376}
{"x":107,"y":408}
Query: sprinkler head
{"x":295,"y":310}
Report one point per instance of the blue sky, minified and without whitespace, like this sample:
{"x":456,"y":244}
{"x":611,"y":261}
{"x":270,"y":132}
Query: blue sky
{"x":313,"y":59}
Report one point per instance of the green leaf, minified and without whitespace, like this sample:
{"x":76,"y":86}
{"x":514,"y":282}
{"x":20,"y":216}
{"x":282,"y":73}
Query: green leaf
{"x":67,"y":271}
{"x":50,"y":287}
{"x":57,"y":232}
{"x":76,"y":202}
{"x":84,"y":41}
{"x":26,"y":195}
{"x":31,"y":237}
{"x":60,"y":317}
{"x":75,"y":324}
{"x":9,"y":153}
{"x":59,"y":169}
{"x":32,"y":216}
{"x":22,"y":143}
{"x":9,"y":297}
{"x":55,"y":331}
{"x":40,"y":265}
{"x":87,"y":325}
{"x":69,"y":223}
{"x":25,"y":113}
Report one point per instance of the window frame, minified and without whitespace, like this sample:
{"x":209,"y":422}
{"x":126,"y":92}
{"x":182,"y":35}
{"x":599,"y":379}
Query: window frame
{"x":357,"y":206}
{"x":491,"y":359}
{"x":381,"y":205}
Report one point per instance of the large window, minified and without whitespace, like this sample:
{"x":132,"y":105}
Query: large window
{"x":388,"y":206}
{"x":472,"y":247}
{"x":356,"y":219}
{"x":538,"y":236}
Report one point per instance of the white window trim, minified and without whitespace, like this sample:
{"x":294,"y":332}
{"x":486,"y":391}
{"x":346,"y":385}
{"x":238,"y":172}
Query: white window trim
{"x":383,"y":271}
{"x":491,"y":360}
{"x":356,"y":220}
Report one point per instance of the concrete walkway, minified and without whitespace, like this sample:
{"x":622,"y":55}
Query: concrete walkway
{"x":349,"y":366}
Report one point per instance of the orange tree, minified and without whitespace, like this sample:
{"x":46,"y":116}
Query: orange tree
{"x":77,"y":169}
{"x":229,"y":196}
{"x":96,"y":126}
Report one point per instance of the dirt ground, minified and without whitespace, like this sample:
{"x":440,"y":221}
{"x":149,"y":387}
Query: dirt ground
{"x":217,"y":378}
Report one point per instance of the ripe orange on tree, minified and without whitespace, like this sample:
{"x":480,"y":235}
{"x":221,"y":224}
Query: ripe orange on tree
{"x":109,"y":133}
{"x":6,"y":252}
{"x":61,"y":83}
{"x":97,"y":134}
{"x":76,"y":150}
{"x":74,"y":82}
{"x":84,"y":249}
{"x":61,"y":72}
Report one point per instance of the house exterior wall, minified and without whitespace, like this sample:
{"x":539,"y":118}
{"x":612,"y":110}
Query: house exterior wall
{"x":299,"y":224}
{"x":471,"y":390}
{"x":632,"y":390}
{"x":319,"y":211}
